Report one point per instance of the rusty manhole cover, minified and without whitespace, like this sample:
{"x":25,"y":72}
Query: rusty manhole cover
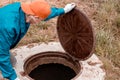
{"x":76,"y":34}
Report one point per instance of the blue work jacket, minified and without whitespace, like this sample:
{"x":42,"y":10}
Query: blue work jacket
{"x":13,"y":27}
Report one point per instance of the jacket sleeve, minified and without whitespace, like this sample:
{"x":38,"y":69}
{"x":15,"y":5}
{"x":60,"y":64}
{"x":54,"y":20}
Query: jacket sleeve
{"x":5,"y":65}
{"x":55,"y":12}
{"x":5,"y":42}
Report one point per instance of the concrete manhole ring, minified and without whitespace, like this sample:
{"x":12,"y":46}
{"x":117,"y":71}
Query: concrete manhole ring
{"x":90,"y":68}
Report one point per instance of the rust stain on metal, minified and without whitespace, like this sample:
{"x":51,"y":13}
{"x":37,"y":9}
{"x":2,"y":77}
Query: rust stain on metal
{"x":50,"y":57}
{"x":76,"y":34}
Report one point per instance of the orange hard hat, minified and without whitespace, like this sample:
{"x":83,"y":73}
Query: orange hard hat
{"x":38,"y":8}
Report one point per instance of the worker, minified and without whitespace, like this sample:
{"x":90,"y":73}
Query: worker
{"x":15,"y":19}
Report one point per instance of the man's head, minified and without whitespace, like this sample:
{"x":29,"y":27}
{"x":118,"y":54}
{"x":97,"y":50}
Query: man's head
{"x":39,"y":8}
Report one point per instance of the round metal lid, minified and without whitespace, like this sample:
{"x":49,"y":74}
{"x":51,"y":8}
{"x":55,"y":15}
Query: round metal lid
{"x":76,"y":34}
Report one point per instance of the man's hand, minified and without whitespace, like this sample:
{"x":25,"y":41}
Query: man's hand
{"x":69,"y":7}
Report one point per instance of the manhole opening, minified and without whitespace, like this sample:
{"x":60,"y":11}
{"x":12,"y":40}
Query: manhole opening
{"x":52,"y":72}
{"x":51,"y":66}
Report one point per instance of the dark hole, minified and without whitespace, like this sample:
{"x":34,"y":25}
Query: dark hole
{"x":52,"y":72}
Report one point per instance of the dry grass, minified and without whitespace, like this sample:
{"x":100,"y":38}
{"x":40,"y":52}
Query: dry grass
{"x":39,"y":33}
{"x":105,"y":17}
{"x":107,"y":26}
{"x":112,"y":73}
{"x":108,"y":33}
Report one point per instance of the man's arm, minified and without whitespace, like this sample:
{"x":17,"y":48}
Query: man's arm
{"x":6,"y":34}
{"x":55,"y":12}
{"x":6,"y":66}
{"x":59,"y":11}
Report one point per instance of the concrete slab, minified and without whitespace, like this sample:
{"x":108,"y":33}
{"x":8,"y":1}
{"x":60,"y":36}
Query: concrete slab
{"x":92,"y":67}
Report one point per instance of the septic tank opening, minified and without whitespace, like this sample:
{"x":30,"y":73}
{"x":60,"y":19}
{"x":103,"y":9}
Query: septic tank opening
{"x":51,"y":66}
{"x":52,"y":72}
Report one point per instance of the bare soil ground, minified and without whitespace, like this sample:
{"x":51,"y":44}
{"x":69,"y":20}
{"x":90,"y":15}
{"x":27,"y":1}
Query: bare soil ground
{"x":104,"y":16}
